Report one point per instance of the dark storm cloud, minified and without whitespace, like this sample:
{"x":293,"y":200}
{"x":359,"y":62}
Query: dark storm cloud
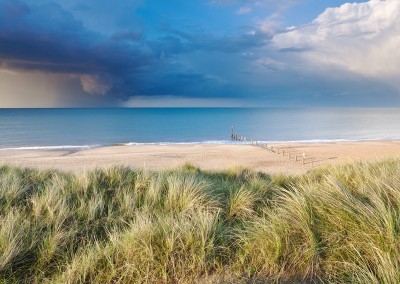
{"x":243,"y":40}
{"x":47,"y":38}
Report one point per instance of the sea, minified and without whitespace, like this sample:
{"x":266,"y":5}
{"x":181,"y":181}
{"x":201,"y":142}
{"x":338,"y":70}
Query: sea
{"x":96,"y":127}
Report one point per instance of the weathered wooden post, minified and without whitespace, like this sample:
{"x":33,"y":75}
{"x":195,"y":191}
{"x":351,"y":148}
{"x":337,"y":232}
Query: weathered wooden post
{"x":304,"y":156}
{"x":289,"y":156}
{"x":296,"y":158}
{"x":283,"y":152}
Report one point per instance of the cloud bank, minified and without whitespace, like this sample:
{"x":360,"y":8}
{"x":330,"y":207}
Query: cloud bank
{"x":362,"y":38}
{"x":144,"y":51}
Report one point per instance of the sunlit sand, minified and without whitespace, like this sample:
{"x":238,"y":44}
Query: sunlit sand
{"x":207,"y":157}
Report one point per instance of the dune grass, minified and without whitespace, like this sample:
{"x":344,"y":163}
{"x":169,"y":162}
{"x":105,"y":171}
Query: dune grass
{"x":333,"y":224}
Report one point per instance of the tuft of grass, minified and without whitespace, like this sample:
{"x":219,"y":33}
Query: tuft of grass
{"x":187,"y":193}
{"x":240,"y":204}
{"x":115,"y":225}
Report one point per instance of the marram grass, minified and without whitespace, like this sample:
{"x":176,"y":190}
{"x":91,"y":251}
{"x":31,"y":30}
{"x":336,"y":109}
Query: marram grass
{"x":116,"y":225}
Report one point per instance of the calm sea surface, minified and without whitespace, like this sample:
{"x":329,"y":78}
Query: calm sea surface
{"x":92,"y":127}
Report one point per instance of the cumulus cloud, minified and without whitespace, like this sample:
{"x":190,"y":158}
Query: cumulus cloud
{"x":362,"y":38}
{"x":270,"y":25}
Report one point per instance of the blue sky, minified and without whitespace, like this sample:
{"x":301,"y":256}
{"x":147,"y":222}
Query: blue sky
{"x":135,"y":53}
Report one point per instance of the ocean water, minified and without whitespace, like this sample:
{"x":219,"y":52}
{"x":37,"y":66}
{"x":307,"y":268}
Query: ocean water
{"x":58,"y":128}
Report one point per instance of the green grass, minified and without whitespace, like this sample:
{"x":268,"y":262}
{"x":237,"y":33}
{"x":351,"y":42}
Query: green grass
{"x":333,"y":224}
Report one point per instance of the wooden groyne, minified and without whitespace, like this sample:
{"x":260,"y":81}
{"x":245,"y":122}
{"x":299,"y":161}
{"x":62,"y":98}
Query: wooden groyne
{"x":296,"y":156}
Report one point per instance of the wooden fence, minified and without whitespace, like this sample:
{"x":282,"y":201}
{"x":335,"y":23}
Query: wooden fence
{"x":291,"y":155}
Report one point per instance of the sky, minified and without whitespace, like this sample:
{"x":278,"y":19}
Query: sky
{"x":199,"y":53}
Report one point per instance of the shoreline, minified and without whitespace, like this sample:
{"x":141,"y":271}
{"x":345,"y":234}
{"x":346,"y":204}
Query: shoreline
{"x":206,"y":142}
{"x":214,"y":157}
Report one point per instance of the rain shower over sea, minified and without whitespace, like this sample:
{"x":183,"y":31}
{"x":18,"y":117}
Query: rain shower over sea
{"x":84,"y":128}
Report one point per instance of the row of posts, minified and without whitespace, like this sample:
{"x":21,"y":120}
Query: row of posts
{"x":235,"y":137}
{"x":239,"y":138}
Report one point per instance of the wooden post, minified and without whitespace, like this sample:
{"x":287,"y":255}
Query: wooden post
{"x":289,"y":156}
{"x":279,"y":151}
{"x":283,"y":152}
{"x":296,"y":158}
{"x":304,"y":155}
{"x":233,"y":132}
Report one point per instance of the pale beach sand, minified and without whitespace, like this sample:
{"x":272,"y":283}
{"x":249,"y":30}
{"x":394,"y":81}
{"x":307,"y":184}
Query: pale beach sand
{"x":205,"y":156}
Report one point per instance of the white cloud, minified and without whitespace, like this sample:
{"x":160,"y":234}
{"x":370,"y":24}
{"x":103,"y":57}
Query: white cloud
{"x":270,"y":25}
{"x":363,"y":38}
{"x":94,"y":84}
{"x":244,"y":10}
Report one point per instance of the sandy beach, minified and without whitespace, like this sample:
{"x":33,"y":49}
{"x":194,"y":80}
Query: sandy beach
{"x":205,"y":156}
